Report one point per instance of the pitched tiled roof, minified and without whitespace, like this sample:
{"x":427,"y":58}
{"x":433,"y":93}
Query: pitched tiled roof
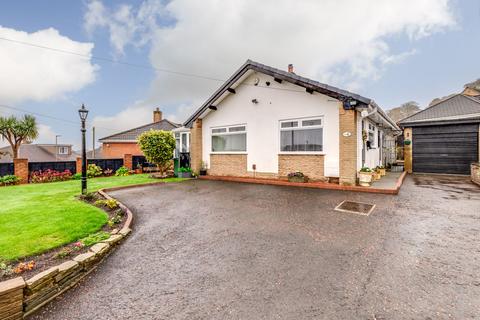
{"x":291,"y":77}
{"x":458,"y":107}
{"x":37,"y":153}
{"x":132,"y":134}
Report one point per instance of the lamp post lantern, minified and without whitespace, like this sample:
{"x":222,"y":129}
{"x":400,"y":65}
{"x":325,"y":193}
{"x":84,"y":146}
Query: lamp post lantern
{"x":83,"y":113}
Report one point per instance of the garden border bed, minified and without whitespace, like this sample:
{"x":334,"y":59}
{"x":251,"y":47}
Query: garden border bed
{"x":20,"y":298}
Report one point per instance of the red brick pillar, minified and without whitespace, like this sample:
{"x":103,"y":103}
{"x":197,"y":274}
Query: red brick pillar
{"x":21,"y":169}
{"x":128,"y":161}
{"x":79,"y":165}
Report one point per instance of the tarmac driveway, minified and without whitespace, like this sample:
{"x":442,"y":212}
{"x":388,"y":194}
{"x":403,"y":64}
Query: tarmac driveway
{"x":218,"y":250}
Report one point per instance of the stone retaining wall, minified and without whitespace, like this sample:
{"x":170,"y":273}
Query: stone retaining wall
{"x":19,"y":297}
{"x":475,"y":173}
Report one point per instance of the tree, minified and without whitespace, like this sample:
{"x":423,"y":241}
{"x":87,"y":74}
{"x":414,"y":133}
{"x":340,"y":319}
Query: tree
{"x":158,"y":147}
{"x":18,"y":131}
{"x":405,"y":110}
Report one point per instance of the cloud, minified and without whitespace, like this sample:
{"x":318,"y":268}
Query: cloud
{"x":29,"y":73}
{"x":341,"y":42}
{"x":125,"y":24}
{"x":45,"y":134}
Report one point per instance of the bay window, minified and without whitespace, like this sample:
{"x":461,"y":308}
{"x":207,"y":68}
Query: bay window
{"x":229,"y":139}
{"x":301,"y":135}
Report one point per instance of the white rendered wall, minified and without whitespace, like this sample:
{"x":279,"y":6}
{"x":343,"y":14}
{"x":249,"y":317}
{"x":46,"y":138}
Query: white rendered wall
{"x":277,"y":102}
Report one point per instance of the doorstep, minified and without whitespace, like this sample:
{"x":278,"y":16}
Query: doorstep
{"x":315,"y":185}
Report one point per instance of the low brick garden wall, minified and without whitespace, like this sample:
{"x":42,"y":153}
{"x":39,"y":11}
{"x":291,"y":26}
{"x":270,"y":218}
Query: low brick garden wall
{"x":475,"y":173}
{"x":20,"y":297}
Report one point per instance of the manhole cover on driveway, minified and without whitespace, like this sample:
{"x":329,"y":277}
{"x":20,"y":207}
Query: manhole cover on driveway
{"x":355,"y":207}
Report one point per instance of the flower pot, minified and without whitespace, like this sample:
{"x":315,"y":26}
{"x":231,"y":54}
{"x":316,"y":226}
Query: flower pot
{"x":376,"y":176}
{"x":365,"y":178}
{"x":297,"y":179}
{"x":382,"y":171}
{"x":203,"y":172}
{"x":184,"y":174}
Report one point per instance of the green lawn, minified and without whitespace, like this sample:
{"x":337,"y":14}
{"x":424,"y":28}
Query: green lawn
{"x":38,"y":217}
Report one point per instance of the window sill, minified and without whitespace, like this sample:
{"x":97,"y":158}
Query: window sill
{"x":300,"y":153}
{"x":229,"y":152}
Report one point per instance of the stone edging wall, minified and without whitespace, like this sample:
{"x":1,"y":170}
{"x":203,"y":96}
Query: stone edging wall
{"x":20,"y":297}
{"x":475,"y":173}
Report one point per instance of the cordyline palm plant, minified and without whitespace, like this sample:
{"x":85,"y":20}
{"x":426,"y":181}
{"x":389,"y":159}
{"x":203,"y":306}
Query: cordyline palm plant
{"x":18,"y":131}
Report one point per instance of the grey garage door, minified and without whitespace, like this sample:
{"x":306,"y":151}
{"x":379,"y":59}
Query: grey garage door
{"x":445,"y":149}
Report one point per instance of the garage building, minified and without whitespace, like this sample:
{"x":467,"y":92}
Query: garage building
{"x":444,"y":137}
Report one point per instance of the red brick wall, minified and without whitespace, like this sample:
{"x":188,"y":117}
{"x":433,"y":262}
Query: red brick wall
{"x":128,"y":161}
{"x":79,"y":165}
{"x":21,"y":169}
{"x":118,"y":149}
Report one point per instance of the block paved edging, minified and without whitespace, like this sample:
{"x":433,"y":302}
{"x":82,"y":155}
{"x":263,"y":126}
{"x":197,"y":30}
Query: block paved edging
{"x":20,"y":298}
{"x":314,"y":185}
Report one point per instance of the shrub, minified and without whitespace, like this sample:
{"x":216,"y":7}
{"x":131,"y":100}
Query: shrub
{"x":63,"y":253}
{"x":94,"y":238}
{"x":296,"y":174}
{"x":77,"y":176}
{"x":24,"y":266}
{"x":365,"y":169}
{"x":111,"y":203}
{"x":9,"y":180}
{"x":50,"y":176}
{"x":93,"y":170}
{"x":183,"y":169}
{"x":122,"y":171}
{"x":114,"y":220}
{"x":90,"y":196}
{"x":5,"y":269}
{"x":158,"y":147}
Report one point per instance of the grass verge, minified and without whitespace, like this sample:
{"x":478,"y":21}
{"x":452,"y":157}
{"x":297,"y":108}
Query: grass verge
{"x":35,"y":218}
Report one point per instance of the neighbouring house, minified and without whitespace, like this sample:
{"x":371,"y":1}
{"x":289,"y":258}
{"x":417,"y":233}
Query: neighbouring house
{"x":40,"y":153}
{"x":95,"y":154}
{"x":444,"y":137}
{"x":125,"y":142}
{"x":472,"y":89}
{"x":265,"y":122}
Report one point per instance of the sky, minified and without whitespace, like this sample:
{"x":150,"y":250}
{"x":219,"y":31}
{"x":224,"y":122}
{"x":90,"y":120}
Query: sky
{"x":124,"y":58}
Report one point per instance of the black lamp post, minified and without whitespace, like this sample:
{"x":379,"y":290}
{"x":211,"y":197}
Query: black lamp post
{"x":83,"y":113}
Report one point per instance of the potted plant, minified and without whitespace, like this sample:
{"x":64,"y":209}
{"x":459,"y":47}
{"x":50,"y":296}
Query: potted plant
{"x":376,"y":175}
{"x":382,"y":170}
{"x":185,"y":172}
{"x":297,"y":177}
{"x":365,"y":177}
{"x":139,"y":168}
{"x":203,"y":170}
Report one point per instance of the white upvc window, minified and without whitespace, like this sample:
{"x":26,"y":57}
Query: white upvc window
{"x":303,"y":135}
{"x":182,"y":143}
{"x":229,"y":138}
{"x":185,"y":142}
{"x":371,"y":135}
{"x":62,"y":150}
